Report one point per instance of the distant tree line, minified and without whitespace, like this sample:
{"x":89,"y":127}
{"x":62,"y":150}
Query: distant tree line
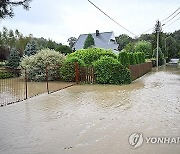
{"x":26,"y":45}
{"x":169,"y":44}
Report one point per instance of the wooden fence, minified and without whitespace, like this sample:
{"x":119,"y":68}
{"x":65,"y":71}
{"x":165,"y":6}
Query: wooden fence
{"x":139,"y":70}
{"x":86,"y":74}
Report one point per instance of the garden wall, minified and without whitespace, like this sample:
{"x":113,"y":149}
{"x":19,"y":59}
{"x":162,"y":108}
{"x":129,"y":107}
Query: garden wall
{"x":139,"y":70}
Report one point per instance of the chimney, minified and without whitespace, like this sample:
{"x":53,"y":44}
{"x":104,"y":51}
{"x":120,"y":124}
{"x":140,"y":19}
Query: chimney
{"x":97,"y":32}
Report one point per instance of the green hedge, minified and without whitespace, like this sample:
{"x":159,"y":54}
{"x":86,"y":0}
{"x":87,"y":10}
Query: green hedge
{"x":140,"y":57}
{"x":132,"y":59}
{"x":67,"y":71}
{"x":91,"y":55}
{"x":124,"y":58}
{"x":111,"y":71}
{"x":5,"y":75}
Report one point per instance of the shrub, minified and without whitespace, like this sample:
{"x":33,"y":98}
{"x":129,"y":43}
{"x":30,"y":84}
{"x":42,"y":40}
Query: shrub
{"x":124,"y":58}
{"x":136,"y":58}
{"x":14,"y":59}
{"x":89,"y":42}
{"x":91,"y":55}
{"x":139,"y":57}
{"x":4,"y":75}
{"x":67,"y":70}
{"x":143,"y":57}
{"x":37,"y":63}
{"x":110,"y":70}
{"x":132,"y":60}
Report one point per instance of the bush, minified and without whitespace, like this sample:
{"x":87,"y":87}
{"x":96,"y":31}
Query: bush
{"x":36,"y":64}
{"x":110,"y":71}
{"x":143,"y":57}
{"x":14,"y":59}
{"x":124,"y":58}
{"x":91,"y":55}
{"x":67,"y":70}
{"x":136,"y":58}
{"x":132,"y":59}
{"x":4,"y":75}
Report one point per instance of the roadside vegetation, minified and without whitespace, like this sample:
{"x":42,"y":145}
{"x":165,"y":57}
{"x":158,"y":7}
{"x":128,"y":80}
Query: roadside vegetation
{"x":35,"y":54}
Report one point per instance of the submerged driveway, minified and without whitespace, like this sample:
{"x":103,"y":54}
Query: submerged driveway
{"x":96,"y":119}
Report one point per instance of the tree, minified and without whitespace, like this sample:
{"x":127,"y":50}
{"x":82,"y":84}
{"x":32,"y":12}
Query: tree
{"x":51,"y":44}
{"x":129,"y":47}
{"x":6,"y":7}
{"x":123,"y":40}
{"x":4,"y":53}
{"x":150,"y":38}
{"x":89,"y":41}
{"x":11,"y":39}
{"x":21,"y":43}
{"x":176,"y":36}
{"x":14,"y":58}
{"x":145,"y":47}
{"x":171,"y":47}
{"x":30,"y":49}
{"x":72,"y":41}
{"x":64,"y":49}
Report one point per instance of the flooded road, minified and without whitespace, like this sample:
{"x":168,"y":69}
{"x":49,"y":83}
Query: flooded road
{"x":96,"y":119}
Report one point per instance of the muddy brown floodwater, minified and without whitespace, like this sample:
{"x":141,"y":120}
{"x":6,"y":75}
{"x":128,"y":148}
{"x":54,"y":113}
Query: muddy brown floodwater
{"x":96,"y":119}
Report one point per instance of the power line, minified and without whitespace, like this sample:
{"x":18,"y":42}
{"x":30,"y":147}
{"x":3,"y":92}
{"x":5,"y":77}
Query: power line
{"x":165,"y":20}
{"x":171,"y":15}
{"x":146,"y":31}
{"x":111,"y":18}
{"x":161,"y":10}
{"x":171,"y":18}
{"x":172,"y":23}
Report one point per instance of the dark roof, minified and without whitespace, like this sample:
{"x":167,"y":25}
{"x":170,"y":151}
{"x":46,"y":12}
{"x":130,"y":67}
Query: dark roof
{"x":103,"y":40}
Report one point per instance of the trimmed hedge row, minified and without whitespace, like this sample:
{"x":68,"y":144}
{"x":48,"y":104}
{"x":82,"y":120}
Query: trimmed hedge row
{"x":131,"y":58}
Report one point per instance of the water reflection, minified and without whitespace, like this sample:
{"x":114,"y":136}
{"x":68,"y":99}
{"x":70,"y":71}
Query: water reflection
{"x":14,"y":89}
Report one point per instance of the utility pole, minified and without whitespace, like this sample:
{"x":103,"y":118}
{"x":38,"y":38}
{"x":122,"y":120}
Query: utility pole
{"x":158,"y":30}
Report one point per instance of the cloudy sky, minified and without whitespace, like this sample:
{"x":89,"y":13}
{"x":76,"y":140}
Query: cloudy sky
{"x":61,"y":19}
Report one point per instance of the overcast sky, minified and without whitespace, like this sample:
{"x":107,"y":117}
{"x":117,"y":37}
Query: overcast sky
{"x":61,"y":19}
